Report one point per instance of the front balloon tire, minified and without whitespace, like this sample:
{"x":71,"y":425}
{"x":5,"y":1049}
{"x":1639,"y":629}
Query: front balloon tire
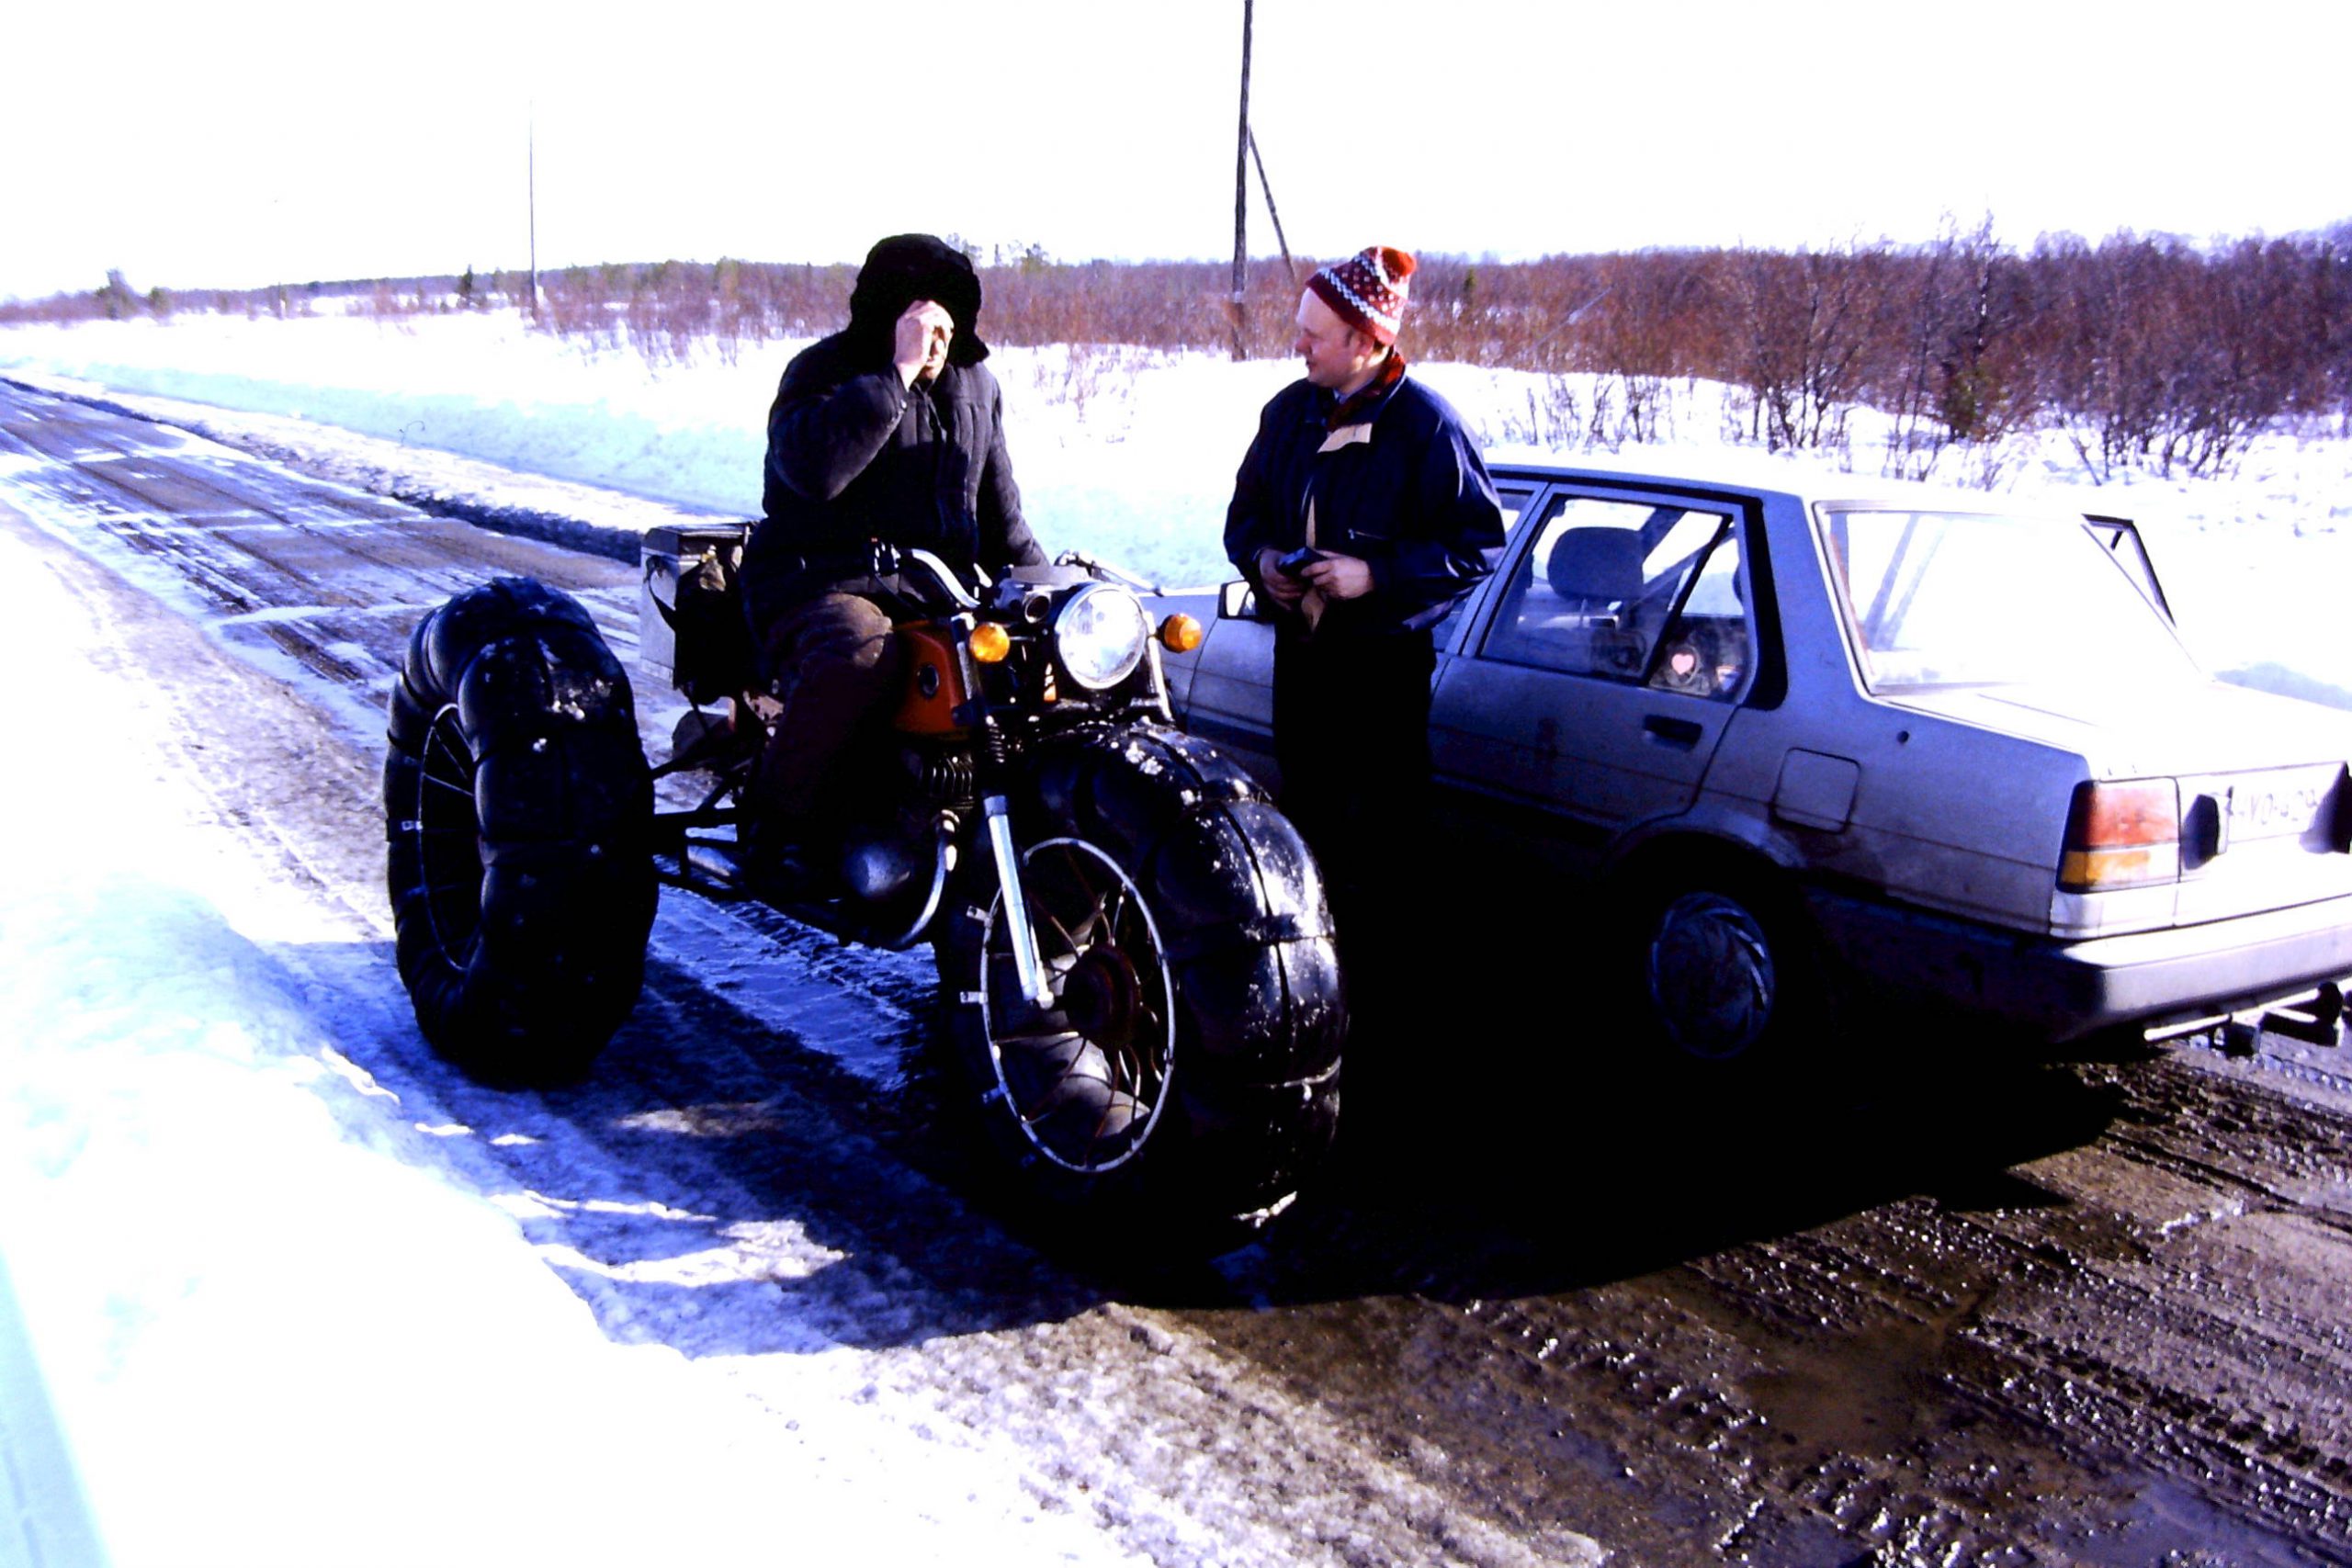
{"x":1182,"y":1084}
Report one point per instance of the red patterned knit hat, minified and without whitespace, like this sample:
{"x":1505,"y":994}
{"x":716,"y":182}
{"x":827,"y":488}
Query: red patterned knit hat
{"x":1367,"y":290}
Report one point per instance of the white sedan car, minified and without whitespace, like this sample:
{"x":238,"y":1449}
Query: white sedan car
{"x":1871,"y":742}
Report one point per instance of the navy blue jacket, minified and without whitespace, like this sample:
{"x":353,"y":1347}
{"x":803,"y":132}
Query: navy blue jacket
{"x":1414,"y":502}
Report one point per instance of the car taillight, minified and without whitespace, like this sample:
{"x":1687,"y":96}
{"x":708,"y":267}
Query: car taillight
{"x":2122,"y":835}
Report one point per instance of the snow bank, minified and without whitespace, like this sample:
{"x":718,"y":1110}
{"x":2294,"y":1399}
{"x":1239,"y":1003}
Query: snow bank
{"x":1126,"y":453}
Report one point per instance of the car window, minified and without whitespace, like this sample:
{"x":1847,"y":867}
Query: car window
{"x":1943,"y":599}
{"x":1514,"y":500}
{"x":2122,"y":542}
{"x":1638,"y":591}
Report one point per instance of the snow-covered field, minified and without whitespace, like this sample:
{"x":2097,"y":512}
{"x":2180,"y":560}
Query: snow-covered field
{"x":1126,"y":453}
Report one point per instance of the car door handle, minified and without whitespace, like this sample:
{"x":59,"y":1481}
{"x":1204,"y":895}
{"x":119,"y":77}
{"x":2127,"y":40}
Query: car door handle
{"x":1682,"y":733}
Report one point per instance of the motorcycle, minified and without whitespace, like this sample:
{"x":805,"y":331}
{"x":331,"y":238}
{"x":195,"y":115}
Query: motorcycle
{"x":1142,"y":1007}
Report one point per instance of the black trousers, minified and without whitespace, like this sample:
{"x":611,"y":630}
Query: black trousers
{"x":1352,"y":736}
{"x":833,"y":664}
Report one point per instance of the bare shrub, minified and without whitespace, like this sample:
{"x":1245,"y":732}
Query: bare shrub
{"x":1804,"y":325}
{"x":1948,"y":368}
{"x":577,"y":304}
{"x":1096,"y":381}
{"x":1555,"y":416}
{"x":2152,"y":367}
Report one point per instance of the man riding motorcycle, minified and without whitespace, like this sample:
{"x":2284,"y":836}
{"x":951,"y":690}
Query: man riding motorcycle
{"x":1139,"y":991}
{"x":886,"y":437}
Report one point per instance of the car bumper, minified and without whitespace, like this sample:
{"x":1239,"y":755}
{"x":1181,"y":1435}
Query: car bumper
{"x":2063,"y":990}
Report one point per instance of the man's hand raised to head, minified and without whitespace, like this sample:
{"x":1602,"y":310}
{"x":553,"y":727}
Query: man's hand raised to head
{"x":925,"y":330}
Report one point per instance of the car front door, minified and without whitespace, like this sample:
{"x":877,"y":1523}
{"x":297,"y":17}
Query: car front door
{"x":1594,"y":682}
{"x":1227,"y":689}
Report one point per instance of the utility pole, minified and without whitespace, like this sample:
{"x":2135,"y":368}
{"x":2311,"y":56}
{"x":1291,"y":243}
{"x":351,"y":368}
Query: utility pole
{"x":1241,"y":191}
{"x":531,"y":161}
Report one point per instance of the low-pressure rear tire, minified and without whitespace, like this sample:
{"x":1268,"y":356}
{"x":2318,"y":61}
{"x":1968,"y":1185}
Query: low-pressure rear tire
{"x":517,"y":810}
{"x":1184,"y":1082}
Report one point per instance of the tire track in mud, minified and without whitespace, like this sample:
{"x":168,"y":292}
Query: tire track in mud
{"x":2192,"y":1324}
{"x":2079,"y":1313}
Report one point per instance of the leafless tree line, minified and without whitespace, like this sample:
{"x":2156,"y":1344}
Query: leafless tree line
{"x":2144,"y":352}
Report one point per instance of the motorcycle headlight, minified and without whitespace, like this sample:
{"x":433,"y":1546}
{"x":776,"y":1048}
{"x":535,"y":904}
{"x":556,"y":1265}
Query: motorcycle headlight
{"x":1099,"y":635}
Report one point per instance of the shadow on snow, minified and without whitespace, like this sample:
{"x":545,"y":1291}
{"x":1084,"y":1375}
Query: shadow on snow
{"x":723,"y":1188}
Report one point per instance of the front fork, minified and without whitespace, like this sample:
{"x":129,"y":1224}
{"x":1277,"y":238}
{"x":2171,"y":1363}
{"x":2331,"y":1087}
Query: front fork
{"x":1028,"y":969}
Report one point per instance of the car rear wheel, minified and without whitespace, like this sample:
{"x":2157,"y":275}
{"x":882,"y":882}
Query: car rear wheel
{"x":1729,"y":977}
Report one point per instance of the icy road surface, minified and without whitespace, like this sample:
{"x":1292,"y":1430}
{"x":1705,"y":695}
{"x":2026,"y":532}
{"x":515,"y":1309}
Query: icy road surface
{"x":283,"y":1271}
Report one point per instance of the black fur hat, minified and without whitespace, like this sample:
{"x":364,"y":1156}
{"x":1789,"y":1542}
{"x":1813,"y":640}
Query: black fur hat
{"x":907,"y":267}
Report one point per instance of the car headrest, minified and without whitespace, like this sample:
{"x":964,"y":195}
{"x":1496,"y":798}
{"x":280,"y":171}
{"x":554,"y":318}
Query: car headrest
{"x":1596,"y":563}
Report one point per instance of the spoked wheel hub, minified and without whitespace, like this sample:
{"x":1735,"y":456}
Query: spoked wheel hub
{"x":1102,"y":996}
{"x":1087,"y":1076}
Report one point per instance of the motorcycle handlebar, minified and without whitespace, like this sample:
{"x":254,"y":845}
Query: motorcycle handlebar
{"x":949,"y":585}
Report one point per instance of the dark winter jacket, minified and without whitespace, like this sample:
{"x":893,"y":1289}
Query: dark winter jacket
{"x":854,"y":455}
{"x":1410,"y":497}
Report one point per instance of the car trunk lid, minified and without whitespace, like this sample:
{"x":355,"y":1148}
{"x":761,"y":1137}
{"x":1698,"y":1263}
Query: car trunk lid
{"x":2265,"y":804}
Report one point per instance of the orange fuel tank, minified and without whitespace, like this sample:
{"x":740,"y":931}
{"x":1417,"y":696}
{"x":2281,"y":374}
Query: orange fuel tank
{"x":933,"y":688}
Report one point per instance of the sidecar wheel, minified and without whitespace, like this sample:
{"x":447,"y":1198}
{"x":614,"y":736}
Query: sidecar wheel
{"x":1186,"y":1072}
{"x":517,"y":805}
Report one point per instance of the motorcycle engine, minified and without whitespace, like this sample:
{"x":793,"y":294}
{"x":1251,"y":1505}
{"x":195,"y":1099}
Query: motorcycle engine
{"x":883,"y":860}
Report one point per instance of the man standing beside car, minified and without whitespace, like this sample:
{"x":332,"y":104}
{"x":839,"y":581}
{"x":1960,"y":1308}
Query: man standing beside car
{"x":1363,"y":512}
{"x":886,"y":437}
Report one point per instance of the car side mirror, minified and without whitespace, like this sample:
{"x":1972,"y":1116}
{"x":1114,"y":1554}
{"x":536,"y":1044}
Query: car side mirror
{"x":1238,"y":600}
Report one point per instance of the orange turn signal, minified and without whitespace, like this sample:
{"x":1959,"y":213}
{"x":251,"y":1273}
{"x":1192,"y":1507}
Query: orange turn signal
{"x":1180,"y":633}
{"x":989,"y":643}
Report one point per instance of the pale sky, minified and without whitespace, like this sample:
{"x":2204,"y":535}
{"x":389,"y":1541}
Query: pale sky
{"x":235,"y":144}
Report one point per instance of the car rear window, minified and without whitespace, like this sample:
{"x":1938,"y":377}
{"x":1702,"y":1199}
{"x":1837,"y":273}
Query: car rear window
{"x":1965,"y":598}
